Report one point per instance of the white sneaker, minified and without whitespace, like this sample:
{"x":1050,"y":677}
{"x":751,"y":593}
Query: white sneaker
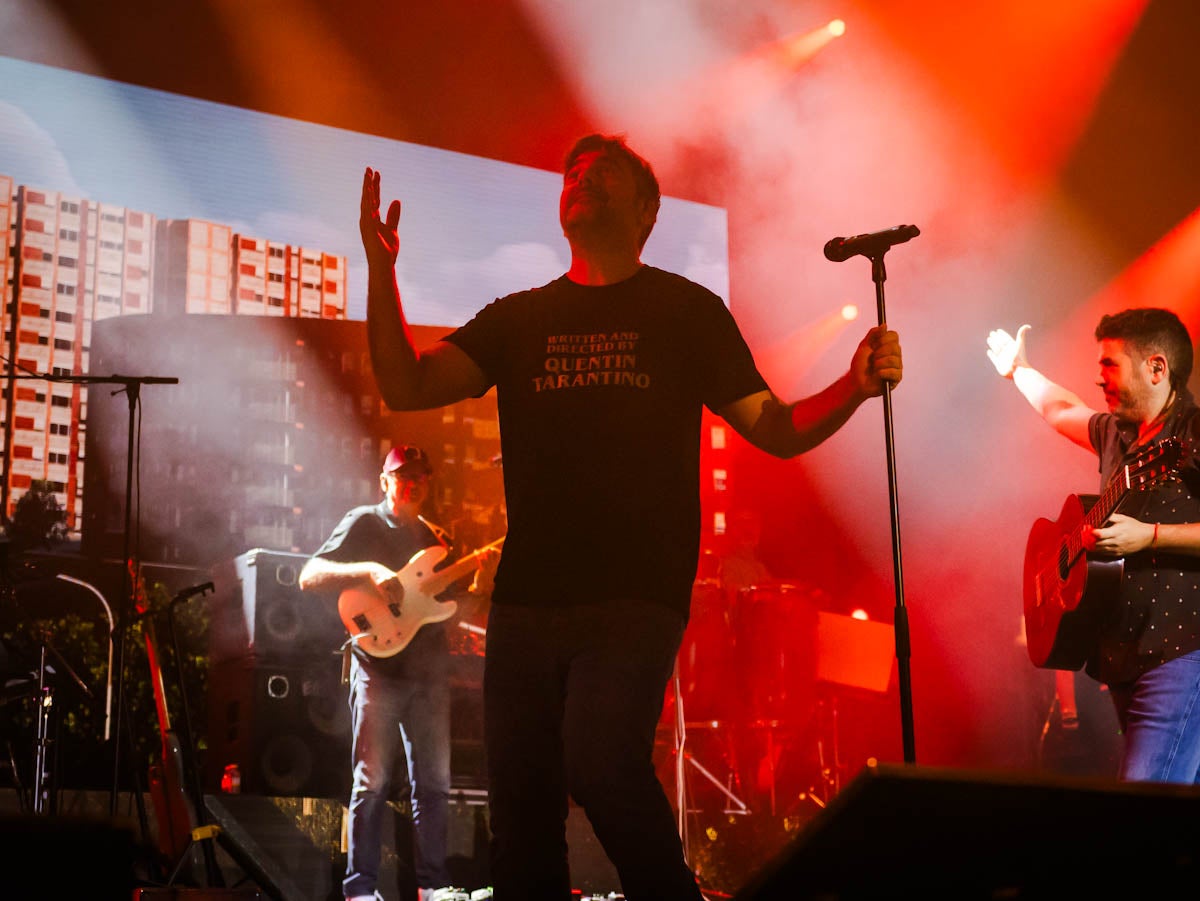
{"x":448,"y":893}
{"x":482,"y":894}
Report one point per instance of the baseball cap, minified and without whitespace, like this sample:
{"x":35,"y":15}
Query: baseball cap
{"x":408,"y":459}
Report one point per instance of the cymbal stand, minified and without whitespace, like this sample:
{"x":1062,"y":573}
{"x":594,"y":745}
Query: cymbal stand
{"x":739,"y":805}
{"x":829,"y":756}
{"x":681,"y":801}
{"x":683,"y":757}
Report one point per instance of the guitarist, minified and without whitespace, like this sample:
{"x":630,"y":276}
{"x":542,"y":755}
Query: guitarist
{"x":1148,"y":649}
{"x":404,"y":698}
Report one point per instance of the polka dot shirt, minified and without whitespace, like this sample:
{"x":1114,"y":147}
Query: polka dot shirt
{"x":1156,"y":617}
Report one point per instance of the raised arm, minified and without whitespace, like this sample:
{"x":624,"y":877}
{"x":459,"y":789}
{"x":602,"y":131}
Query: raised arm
{"x":1064,"y":410}
{"x":787,"y":430}
{"x":408,"y":379}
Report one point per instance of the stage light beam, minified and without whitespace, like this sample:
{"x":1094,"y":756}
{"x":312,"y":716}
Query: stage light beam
{"x":795,"y":50}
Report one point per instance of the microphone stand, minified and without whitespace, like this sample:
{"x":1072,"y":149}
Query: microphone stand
{"x":126,"y":613}
{"x":131,"y":385}
{"x":903,"y":646}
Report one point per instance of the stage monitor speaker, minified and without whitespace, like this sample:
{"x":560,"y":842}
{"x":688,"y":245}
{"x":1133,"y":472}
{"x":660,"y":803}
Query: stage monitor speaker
{"x":284,"y":726}
{"x":289,"y":854}
{"x":257,"y":609}
{"x":907,"y":831}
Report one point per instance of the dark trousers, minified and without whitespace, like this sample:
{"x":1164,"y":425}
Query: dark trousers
{"x":389,"y":712}
{"x":572,"y":699}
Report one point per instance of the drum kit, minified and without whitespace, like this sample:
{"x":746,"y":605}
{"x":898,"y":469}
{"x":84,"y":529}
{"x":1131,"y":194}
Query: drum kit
{"x":752,"y":711}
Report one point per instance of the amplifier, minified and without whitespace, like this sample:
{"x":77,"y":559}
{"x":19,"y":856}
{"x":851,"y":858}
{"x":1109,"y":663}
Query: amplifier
{"x":258,"y":610}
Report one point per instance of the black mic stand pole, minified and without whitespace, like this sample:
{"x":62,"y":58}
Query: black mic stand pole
{"x":131,"y":385}
{"x":903,"y":647}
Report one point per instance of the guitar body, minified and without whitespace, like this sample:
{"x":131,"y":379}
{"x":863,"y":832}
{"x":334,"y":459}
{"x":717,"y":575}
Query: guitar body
{"x":1065,"y":592}
{"x":172,"y":809}
{"x":174,"y":813}
{"x":383,"y":624}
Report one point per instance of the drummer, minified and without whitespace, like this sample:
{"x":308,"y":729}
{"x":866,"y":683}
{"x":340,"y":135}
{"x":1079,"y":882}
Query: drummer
{"x":741,"y":566}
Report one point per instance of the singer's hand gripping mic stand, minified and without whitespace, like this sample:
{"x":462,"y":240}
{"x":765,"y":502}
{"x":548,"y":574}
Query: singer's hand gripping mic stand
{"x":874,"y":246}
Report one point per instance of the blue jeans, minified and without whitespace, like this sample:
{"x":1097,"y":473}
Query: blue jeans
{"x":1160,"y":716}
{"x":387,"y":710}
{"x":572,"y":699}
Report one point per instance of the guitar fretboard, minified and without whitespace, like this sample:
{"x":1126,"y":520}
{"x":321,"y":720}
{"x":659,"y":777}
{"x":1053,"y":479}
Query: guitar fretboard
{"x":1153,"y":463}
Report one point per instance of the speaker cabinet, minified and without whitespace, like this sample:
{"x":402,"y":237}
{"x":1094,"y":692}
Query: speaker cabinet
{"x":903,"y":831}
{"x":285,"y":726}
{"x":258,"y":610}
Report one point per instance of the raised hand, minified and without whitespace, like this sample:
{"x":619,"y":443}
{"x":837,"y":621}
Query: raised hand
{"x":381,"y":238}
{"x":1007,"y":352}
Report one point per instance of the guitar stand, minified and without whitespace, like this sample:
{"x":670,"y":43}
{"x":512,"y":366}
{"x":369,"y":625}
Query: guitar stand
{"x":209,"y":829}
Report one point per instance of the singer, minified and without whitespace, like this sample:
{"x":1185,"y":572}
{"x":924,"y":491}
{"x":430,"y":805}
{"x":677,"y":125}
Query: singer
{"x":595,"y":470}
{"x":870,"y":245}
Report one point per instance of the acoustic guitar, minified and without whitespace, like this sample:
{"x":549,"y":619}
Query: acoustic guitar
{"x":1066,"y":590}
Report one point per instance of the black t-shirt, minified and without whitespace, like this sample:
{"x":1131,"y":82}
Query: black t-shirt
{"x":1157,"y":614}
{"x":600,"y":391}
{"x":371,"y":533}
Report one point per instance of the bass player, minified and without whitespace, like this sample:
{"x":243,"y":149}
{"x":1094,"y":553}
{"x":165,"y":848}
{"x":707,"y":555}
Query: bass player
{"x":401,"y":698}
{"x":1146,"y":646}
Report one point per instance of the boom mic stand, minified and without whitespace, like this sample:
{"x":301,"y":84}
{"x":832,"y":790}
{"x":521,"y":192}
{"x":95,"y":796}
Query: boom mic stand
{"x":874,"y":246}
{"x":126,"y":612}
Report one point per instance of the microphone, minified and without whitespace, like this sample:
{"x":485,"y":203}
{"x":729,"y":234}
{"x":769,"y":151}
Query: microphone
{"x":191,"y":592}
{"x":869,"y":245}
